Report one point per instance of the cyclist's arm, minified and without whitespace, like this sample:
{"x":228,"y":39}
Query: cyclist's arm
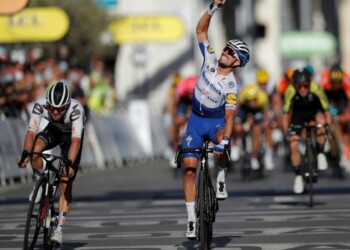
{"x":33,"y":127}
{"x":229,"y":122}
{"x":29,"y":141}
{"x":328,"y":117}
{"x":203,"y":24}
{"x":74,"y":149}
{"x":285,"y":122}
{"x":202,"y":27}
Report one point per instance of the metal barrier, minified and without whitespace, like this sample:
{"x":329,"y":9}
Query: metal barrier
{"x":109,"y":141}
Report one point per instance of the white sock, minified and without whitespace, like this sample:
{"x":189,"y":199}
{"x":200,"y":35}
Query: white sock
{"x":61,"y":220}
{"x":221,"y":174}
{"x":190,"y":211}
{"x":268,"y":151}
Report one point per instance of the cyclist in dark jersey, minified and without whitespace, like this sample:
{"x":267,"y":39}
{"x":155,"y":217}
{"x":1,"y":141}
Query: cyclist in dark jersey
{"x":65,"y":128}
{"x":304,"y":101}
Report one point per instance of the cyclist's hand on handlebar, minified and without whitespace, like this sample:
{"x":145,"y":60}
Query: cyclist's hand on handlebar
{"x":23,"y":160}
{"x":219,"y":148}
{"x":71,"y":172}
{"x":68,"y":167}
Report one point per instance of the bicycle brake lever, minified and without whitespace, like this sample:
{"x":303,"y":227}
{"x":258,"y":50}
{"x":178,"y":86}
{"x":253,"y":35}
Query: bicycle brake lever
{"x":178,"y":163}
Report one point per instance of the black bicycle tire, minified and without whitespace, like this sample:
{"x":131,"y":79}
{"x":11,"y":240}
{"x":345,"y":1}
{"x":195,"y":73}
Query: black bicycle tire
{"x":40,"y":182}
{"x":203,"y":225}
{"x":210,"y":209}
{"x":310,"y":168}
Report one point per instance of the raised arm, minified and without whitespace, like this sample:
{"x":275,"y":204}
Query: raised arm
{"x":204,"y":21}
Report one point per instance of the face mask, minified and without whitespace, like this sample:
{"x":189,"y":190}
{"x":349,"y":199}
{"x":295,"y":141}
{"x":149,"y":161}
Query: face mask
{"x":73,"y":77}
{"x":38,"y":78}
{"x":19,"y":75}
{"x":9,"y":78}
{"x":48,"y":73}
{"x":63,"y":66}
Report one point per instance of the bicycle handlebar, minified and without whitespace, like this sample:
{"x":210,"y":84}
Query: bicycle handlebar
{"x":45,"y":156}
{"x":202,"y":150}
{"x":306,"y":125}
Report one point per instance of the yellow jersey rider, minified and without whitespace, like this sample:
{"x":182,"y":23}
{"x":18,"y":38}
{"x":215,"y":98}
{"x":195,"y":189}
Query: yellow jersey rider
{"x":253,"y":104}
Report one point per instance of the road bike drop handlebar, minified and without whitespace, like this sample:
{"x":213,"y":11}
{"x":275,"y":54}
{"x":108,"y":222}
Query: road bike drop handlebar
{"x":49,"y":158}
{"x":306,"y":125}
{"x":203,"y":150}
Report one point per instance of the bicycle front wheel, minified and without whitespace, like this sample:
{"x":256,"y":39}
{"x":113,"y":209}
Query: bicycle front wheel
{"x":36,"y":216}
{"x":205,"y":224}
{"x":311,"y":162}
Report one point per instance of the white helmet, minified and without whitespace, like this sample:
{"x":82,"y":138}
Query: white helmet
{"x":242,"y":50}
{"x":58,"y":95}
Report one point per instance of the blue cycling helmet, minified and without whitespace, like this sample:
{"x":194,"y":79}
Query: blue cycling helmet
{"x":242,"y":50}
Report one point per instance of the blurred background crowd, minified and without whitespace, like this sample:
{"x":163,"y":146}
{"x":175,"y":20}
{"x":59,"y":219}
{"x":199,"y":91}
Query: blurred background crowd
{"x":23,"y":83}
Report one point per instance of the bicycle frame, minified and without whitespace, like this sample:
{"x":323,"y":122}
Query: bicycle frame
{"x":43,"y":215}
{"x":206,"y":202}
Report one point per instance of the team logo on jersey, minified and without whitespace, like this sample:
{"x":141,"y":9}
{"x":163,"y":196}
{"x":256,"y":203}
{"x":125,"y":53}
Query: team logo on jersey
{"x":231,"y":98}
{"x":231,"y":84}
{"x":189,"y":139}
{"x":210,"y":49}
{"x":37,"y":109}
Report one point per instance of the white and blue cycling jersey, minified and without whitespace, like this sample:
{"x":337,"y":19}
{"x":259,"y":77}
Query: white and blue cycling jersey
{"x":212,"y":95}
{"x":213,"y":92}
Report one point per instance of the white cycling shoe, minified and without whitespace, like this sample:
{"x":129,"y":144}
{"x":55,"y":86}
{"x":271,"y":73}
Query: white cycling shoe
{"x":57,"y":237}
{"x":191,"y":232}
{"x":268,"y":161}
{"x":254,"y":163}
{"x":221,"y":192}
{"x":298,"y":187}
{"x":322,"y":162}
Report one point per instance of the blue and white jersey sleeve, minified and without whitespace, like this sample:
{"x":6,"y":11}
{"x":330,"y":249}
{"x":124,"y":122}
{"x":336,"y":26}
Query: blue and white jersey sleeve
{"x":214,"y":92}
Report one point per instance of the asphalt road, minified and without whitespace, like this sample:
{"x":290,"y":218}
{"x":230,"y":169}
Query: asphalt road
{"x":142,"y":207}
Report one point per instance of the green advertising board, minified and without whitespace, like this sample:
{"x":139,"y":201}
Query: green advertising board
{"x":306,"y":44}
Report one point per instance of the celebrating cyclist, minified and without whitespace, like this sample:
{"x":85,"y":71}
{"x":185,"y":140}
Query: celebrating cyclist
{"x":213,"y":108}
{"x":305,"y":102}
{"x":65,"y":128}
{"x":336,"y":84}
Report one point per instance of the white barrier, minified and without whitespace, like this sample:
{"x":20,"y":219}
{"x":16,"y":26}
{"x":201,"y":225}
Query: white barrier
{"x":109,"y":141}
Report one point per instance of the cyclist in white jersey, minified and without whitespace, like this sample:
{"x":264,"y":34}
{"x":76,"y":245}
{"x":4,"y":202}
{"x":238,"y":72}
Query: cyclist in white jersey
{"x":213,"y":109}
{"x":65,"y":128}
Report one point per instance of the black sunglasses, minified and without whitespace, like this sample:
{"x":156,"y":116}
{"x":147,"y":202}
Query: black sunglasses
{"x":231,"y":52}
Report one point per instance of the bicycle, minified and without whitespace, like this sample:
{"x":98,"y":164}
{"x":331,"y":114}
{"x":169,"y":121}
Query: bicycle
{"x":42,"y":216}
{"x":206,"y":202}
{"x":309,"y":169}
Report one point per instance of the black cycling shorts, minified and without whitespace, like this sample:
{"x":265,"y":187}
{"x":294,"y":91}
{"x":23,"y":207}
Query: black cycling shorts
{"x":53,"y":137}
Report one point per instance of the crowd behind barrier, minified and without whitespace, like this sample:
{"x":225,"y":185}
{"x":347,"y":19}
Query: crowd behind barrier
{"x":109,"y":141}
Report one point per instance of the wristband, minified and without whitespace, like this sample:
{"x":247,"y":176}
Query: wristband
{"x":212,"y":9}
{"x":68,"y":163}
{"x":225,"y":140}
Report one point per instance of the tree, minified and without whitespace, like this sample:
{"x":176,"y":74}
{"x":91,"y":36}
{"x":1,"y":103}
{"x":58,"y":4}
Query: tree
{"x":87,"y":22}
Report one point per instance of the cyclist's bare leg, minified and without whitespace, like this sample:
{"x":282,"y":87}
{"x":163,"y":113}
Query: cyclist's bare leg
{"x":66,"y":194}
{"x":190,"y":178}
{"x":294,"y":151}
{"x":268,"y":136}
{"x":256,"y":132}
{"x":321,"y":132}
{"x":37,"y":162}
